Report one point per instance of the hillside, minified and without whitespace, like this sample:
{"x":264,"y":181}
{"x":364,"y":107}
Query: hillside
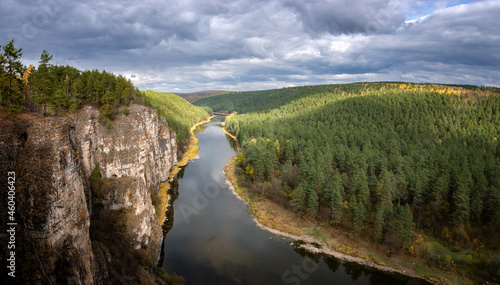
{"x":192,"y":96}
{"x":180,"y":114}
{"x":390,"y":161}
{"x":264,"y":100}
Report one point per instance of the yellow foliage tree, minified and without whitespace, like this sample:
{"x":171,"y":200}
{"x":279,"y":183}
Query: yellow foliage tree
{"x":27,"y":73}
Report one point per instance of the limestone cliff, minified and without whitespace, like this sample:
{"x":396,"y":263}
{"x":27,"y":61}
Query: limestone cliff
{"x":53,"y":159}
{"x":139,"y":145}
{"x":52,"y":193}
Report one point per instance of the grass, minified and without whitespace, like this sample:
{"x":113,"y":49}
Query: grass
{"x":443,"y":252}
{"x":319,"y":235}
{"x":190,"y":153}
{"x":162,"y":201}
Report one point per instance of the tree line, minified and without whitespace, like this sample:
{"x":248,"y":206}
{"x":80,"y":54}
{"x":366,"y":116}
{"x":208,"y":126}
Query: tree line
{"x":52,"y":89}
{"x":56,"y":89}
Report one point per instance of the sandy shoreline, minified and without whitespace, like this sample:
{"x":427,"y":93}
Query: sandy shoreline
{"x":324,"y":249}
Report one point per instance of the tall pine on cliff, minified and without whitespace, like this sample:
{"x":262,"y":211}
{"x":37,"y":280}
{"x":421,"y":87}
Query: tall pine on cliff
{"x":11,"y":84}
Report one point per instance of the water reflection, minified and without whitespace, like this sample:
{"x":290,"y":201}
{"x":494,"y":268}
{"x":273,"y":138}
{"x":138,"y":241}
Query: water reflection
{"x":232,"y":143}
{"x":199,"y":129}
{"x":354,"y":270}
{"x":180,"y":175}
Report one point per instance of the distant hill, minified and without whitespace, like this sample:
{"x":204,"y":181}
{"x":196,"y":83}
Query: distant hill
{"x":199,"y":94}
{"x":266,"y":100}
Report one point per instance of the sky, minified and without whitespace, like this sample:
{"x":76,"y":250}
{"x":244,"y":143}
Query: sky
{"x":186,"y":46}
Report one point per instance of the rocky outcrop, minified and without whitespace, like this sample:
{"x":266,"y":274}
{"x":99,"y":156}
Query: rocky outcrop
{"x":52,"y":192}
{"x":140,"y":146}
{"x":53,"y":159}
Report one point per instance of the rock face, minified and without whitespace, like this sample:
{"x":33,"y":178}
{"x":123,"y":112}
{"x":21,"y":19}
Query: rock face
{"x":140,"y":146}
{"x":53,"y":159}
{"x":52,"y":193}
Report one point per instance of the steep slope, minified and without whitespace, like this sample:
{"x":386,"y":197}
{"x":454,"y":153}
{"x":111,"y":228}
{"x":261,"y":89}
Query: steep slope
{"x":180,"y":114}
{"x":53,"y":159}
{"x":139,"y":146}
{"x":52,"y":193}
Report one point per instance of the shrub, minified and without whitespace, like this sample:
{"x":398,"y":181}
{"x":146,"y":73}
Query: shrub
{"x":96,"y":174}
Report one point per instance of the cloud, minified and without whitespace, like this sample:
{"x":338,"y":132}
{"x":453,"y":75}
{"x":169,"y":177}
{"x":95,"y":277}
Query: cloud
{"x":242,"y":45}
{"x":465,"y":35}
{"x":347,"y":16}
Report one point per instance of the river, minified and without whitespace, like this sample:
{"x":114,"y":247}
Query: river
{"x":213,"y":239}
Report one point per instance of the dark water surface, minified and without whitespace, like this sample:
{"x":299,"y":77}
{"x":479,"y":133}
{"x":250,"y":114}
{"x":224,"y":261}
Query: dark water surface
{"x":215,"y":241}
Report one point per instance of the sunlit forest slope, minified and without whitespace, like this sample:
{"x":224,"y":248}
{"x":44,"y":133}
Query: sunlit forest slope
{"x":383,"y":160}
{"x":180,"y":114}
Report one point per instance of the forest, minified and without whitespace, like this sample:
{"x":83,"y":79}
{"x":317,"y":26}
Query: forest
{"x":180,"y":114}
{"x":57,"y":90}
{"x":385,"y":160}
{"x":60,"y":90}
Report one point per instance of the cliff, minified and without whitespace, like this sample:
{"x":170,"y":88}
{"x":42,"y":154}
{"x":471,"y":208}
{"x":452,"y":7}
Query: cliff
{"x":139,"y":145}
{"x":63,"y":227}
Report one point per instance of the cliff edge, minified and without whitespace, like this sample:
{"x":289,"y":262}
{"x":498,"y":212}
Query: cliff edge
{"x":64,"y":221}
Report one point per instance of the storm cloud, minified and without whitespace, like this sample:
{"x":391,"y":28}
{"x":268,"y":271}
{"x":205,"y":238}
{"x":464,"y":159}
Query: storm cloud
{"x":251,"y":44}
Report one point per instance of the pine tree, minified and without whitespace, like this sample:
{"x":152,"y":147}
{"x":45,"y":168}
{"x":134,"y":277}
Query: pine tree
{"x":11,"y":84}
{"x":401,"y":225}
{"x":364,"y":194}
{"x":312,"y":203}
{"x":77,"y":90}
{"x":259,"y":170}
{"x":406,"y":225}
{"x":461,"y":197}
{"x":289,"y":155}
{"x":43,"y":82}
{"x":337,"y":203}
{"x":58,"y":101}
{"x":379,"y":224}
{"x":357,"y":210}
{"x":385,"y":189}
{"x":298,"y":200}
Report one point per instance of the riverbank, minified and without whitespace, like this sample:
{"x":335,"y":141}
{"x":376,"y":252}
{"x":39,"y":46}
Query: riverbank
{"x":320,"y":238}
{"x":191,"y":153}
{"x":230,"y":135}
{"x":164,"y":202}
